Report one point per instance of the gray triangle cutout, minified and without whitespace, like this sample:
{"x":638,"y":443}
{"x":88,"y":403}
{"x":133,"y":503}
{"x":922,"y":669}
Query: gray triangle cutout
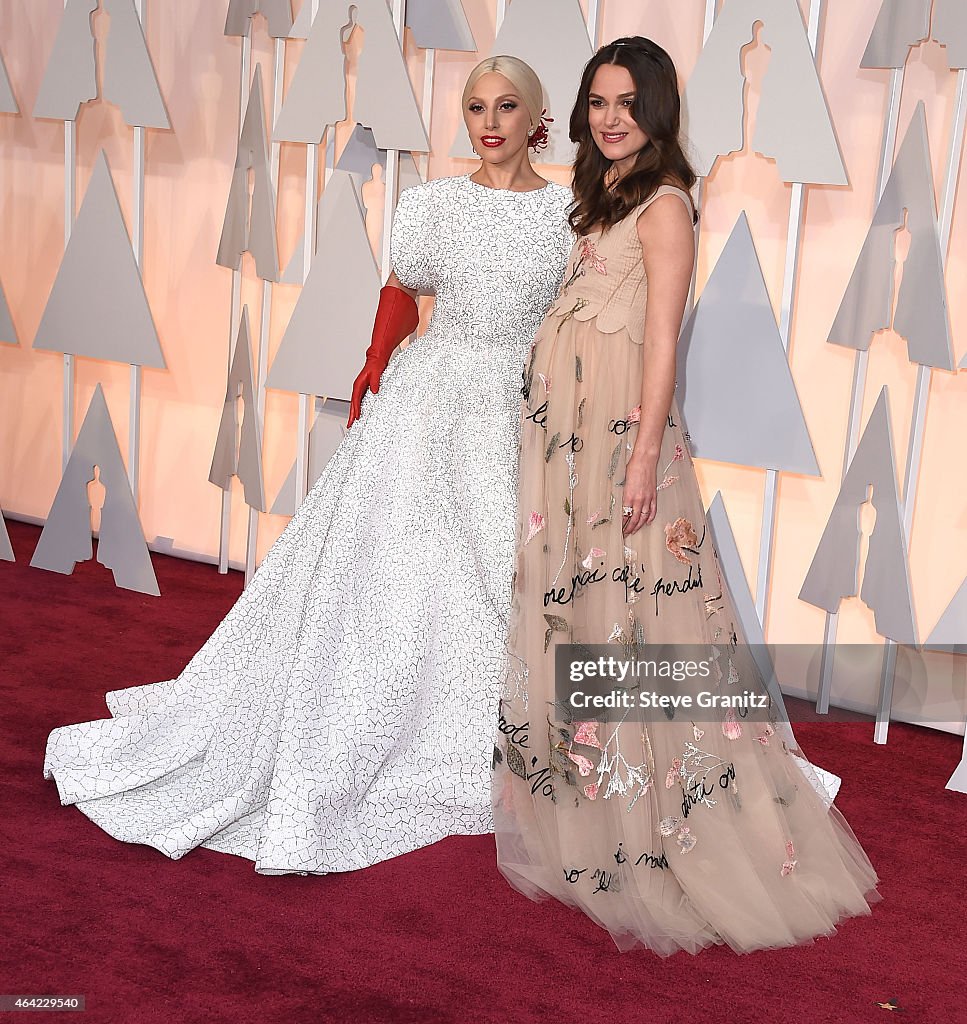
{"x":6,"y":548}
{"x":295,"y":270}
{"x":409,"y":175}
{"x":70,"y":77}
{"x":902,"y":24}
{"x":97,"y":306}
{"x":8,"y":331}
{"x":278,"y":14}
{"x":950,"y":632}
{"x":731,"y":561}
{"x":324,"y":438}
{"x":921,"y":314}
{"x":834,"y":571}
{"x":360,"y":154}
{"x":341,"y":292}
{"x":384,"y":98}
{"x":552,"y":37}
{"x":302,"y":23}
{"x":950,"y":30}
{"x":130,"y":81}
{"x":791,"y":95}
{"x":66,"y":537}
{"x":316,"y":96}
{"x":8,"y":102}
{"x":736,"y":391}
{"x":239,"y":453}
{"x":440,"y":25}
{"x":244,"y":230}
{"x":899,"y":25}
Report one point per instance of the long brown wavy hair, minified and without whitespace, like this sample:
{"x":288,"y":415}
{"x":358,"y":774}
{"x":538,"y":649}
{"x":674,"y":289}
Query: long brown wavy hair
{"x":656,"y":110}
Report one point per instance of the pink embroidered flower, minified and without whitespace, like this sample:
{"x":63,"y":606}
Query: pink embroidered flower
{"x":536,"y":525}
{"x":667,"y":482}
{"x":678,"y":535}
{"x":593,"y":554}
{"x":789,"y":864}
{"x":668,"y":826}
{"x":587,"y":734}
{"x":594,"y":517}
{"x":634,"y":416}
{"x":764,"y":738}
{"x":673,"y":773}
{"x":590,"y":255}
{"x":697,"y":733}
{"x":546,"y":381}
{"x":677,"y":457}
{"x":584,"y":765}
{"x":685,"y":839}
{"x":731,"y":727}
{"x":591,"y":790}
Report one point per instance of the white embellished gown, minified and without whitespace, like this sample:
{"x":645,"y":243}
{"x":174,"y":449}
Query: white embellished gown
{"x":343,"y":711}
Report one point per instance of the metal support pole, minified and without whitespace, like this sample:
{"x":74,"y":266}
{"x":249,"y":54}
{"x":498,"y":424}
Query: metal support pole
{"x":309,"y":234}
{"x":137,"y":243}
{"x":707,"y":26}
{"x":594,"y":17}
{"x":243,"y":94}
{"x":770,"y":502}
{"x":70,"y":185}
{"x":265,"y":319}
{"x":429,"y":69}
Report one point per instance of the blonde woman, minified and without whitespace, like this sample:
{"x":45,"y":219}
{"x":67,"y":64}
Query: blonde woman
{"x":343,"y":711}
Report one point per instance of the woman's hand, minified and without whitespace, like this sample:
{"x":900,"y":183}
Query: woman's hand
{"x":640,"y":492}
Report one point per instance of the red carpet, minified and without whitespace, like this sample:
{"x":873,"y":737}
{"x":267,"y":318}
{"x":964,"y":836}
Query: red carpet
{"x":435,"y":936}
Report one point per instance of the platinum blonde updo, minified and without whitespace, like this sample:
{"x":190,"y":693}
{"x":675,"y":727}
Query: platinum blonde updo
{"x":524,"y":79}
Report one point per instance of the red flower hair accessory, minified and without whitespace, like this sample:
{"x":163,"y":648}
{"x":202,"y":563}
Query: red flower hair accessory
{"x":540,"y":136}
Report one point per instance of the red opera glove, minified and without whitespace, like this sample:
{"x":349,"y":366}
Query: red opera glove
{"x":397,"y":317}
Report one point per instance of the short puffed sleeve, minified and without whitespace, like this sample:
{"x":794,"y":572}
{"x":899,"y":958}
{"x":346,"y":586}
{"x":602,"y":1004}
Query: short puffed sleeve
{"x":412,"y":244}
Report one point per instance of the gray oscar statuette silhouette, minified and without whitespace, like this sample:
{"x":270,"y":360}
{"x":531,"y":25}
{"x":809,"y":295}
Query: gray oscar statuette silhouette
{"x":66,"y":537}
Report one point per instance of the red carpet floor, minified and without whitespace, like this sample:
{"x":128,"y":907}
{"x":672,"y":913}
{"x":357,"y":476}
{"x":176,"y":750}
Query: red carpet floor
{"x":435,"y":936}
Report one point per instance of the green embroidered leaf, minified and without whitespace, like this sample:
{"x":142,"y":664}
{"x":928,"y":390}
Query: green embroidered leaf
{"x":558,"y":623}
{"x":567,"y":507}
{"x":578,"y":369}
{"x":581,"y":413}
{"x":515,"y":762}
{"x":614,"y":460}
{"x":547,"y":639}
{"x":552,"y":446}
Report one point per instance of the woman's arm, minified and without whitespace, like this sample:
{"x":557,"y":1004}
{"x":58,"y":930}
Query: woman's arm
{"x":394,"y":282}
{"x":668,"y":253}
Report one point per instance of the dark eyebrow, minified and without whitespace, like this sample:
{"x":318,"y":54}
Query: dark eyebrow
{"x":623,"y":96}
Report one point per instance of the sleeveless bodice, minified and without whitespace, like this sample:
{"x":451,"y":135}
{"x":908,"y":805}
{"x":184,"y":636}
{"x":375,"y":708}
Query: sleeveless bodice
{"x":605,"y":276}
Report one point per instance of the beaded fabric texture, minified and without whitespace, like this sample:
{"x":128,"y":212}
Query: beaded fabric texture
{"x":343,"y":711}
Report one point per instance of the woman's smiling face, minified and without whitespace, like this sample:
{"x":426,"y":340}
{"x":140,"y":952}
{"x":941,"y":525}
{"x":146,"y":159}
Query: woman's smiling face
{"x":611,"y":103}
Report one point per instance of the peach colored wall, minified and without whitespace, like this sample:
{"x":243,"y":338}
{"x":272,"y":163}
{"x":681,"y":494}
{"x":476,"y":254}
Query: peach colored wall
{"x":188,"y":175}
